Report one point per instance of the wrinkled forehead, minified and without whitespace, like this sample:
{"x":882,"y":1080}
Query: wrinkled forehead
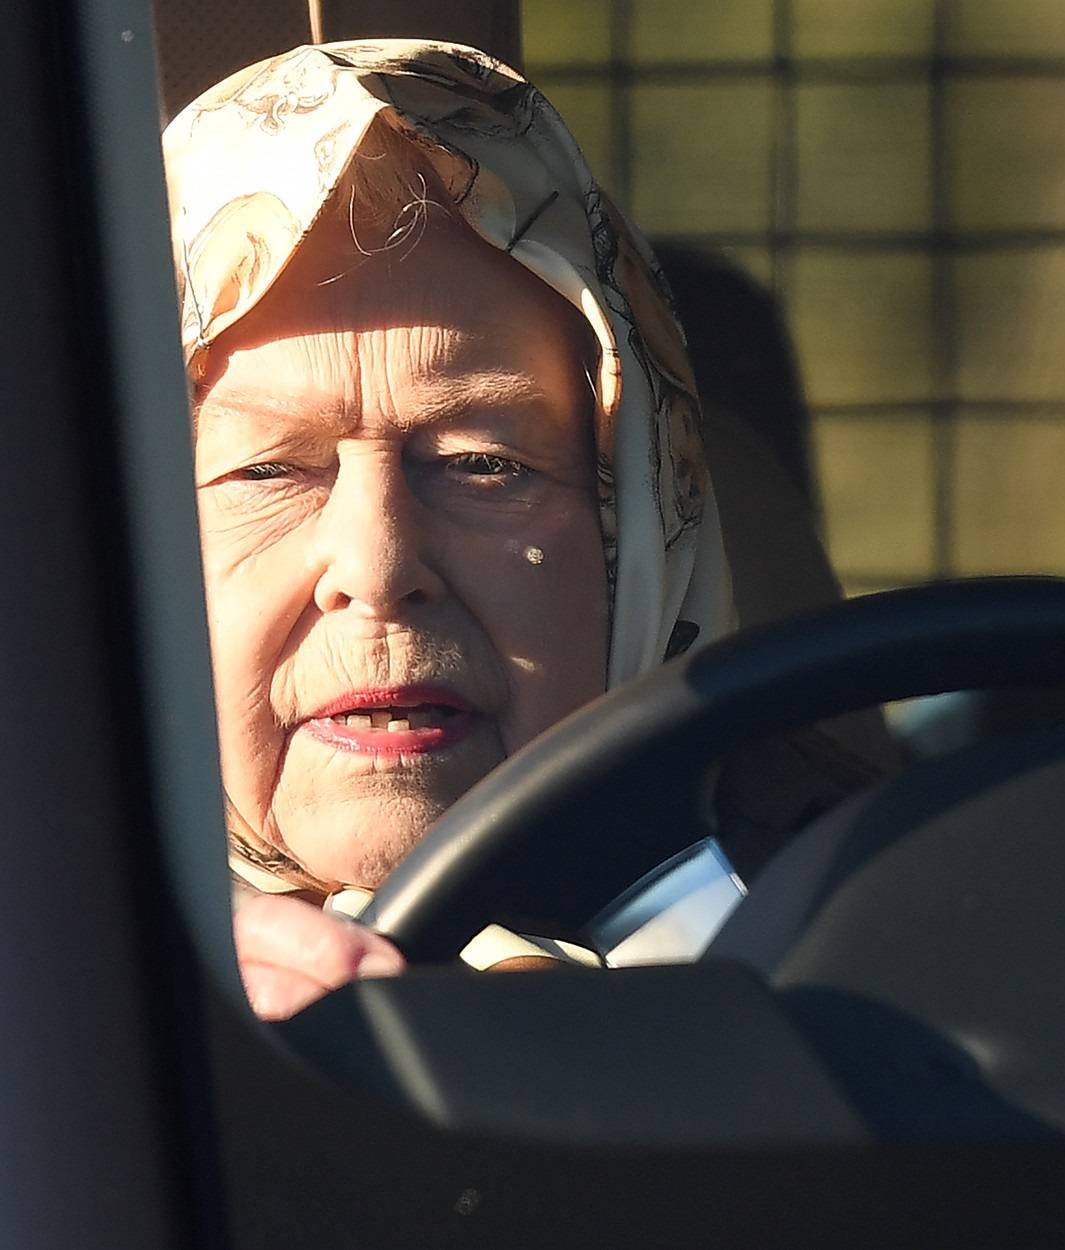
{"x":497,"y":324}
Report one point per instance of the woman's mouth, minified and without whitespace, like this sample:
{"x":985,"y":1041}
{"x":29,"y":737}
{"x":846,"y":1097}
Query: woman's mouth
{"x":397,"y":722}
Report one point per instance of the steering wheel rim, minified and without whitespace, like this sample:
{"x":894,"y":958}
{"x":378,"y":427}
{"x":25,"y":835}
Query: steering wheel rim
{"x":532,"y":829}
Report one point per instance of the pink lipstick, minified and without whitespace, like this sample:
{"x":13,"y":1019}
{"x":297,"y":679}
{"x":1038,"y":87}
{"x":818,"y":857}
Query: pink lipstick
{"x":404,"y":720}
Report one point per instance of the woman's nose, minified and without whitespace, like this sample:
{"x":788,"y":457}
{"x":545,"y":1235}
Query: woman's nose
{"x":371,"y":538}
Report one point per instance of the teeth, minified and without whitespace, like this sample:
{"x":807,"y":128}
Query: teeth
{"x":395,"y":719}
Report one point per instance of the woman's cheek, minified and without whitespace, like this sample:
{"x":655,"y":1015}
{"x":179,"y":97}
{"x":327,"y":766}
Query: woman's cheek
{"x":255,"y":581}
{"x":251,"y":533}
{"x":249,"y":619}
{"x":542,"y":599}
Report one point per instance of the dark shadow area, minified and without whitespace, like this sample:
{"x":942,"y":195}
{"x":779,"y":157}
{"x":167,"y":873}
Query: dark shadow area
{"x":741,"y":353}
{"x":907,"y":1082}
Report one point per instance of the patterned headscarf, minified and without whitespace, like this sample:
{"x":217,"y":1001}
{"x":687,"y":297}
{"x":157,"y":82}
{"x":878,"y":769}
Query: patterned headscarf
{"x":252,"y":163}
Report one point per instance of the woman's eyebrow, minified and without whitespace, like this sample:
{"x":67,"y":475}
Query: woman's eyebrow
{"x":441,"y":398}
{"x":447,"y":395}
{"x":239,"y":404}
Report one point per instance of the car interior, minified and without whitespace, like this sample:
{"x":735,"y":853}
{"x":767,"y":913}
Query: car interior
{"x":866,"y":1053}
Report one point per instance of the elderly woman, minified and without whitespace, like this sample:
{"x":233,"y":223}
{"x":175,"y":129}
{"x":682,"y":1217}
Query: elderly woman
{"x":451,"y":483}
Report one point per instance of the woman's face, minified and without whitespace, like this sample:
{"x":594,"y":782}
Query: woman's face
{"x":401,"y":543}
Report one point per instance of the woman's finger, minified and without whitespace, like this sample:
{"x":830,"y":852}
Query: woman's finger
{"x":278,"y":993}
{"x":290,"y":934}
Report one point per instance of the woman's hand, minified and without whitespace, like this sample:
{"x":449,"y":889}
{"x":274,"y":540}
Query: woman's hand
{"x":291,"y":953}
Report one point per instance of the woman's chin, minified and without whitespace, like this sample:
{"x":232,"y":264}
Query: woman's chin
{"x":358,"y":831}
{"x":358,"y":844}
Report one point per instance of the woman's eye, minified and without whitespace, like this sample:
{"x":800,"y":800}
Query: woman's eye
{"x":266,"y":472}
{"x":485,"y":465}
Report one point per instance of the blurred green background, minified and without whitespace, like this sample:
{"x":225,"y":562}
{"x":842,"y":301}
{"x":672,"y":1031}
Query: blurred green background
{"x":893,"y":171}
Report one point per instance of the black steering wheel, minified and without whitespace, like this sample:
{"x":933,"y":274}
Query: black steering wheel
{"x":561,"y":828}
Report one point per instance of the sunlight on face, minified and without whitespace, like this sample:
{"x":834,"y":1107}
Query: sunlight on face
{"x":401,"y":541}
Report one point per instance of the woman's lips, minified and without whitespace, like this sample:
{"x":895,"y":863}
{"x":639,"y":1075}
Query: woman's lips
{"x":401,"y":721}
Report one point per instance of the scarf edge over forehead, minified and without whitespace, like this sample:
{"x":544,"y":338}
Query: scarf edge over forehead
{"x":252,"y":162}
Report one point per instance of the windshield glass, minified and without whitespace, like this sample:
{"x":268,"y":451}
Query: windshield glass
{"x":864,"y":266}
{"x":891,"y":173}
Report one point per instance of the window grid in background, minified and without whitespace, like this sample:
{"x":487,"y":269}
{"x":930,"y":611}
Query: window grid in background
{"x":894,"y":171}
